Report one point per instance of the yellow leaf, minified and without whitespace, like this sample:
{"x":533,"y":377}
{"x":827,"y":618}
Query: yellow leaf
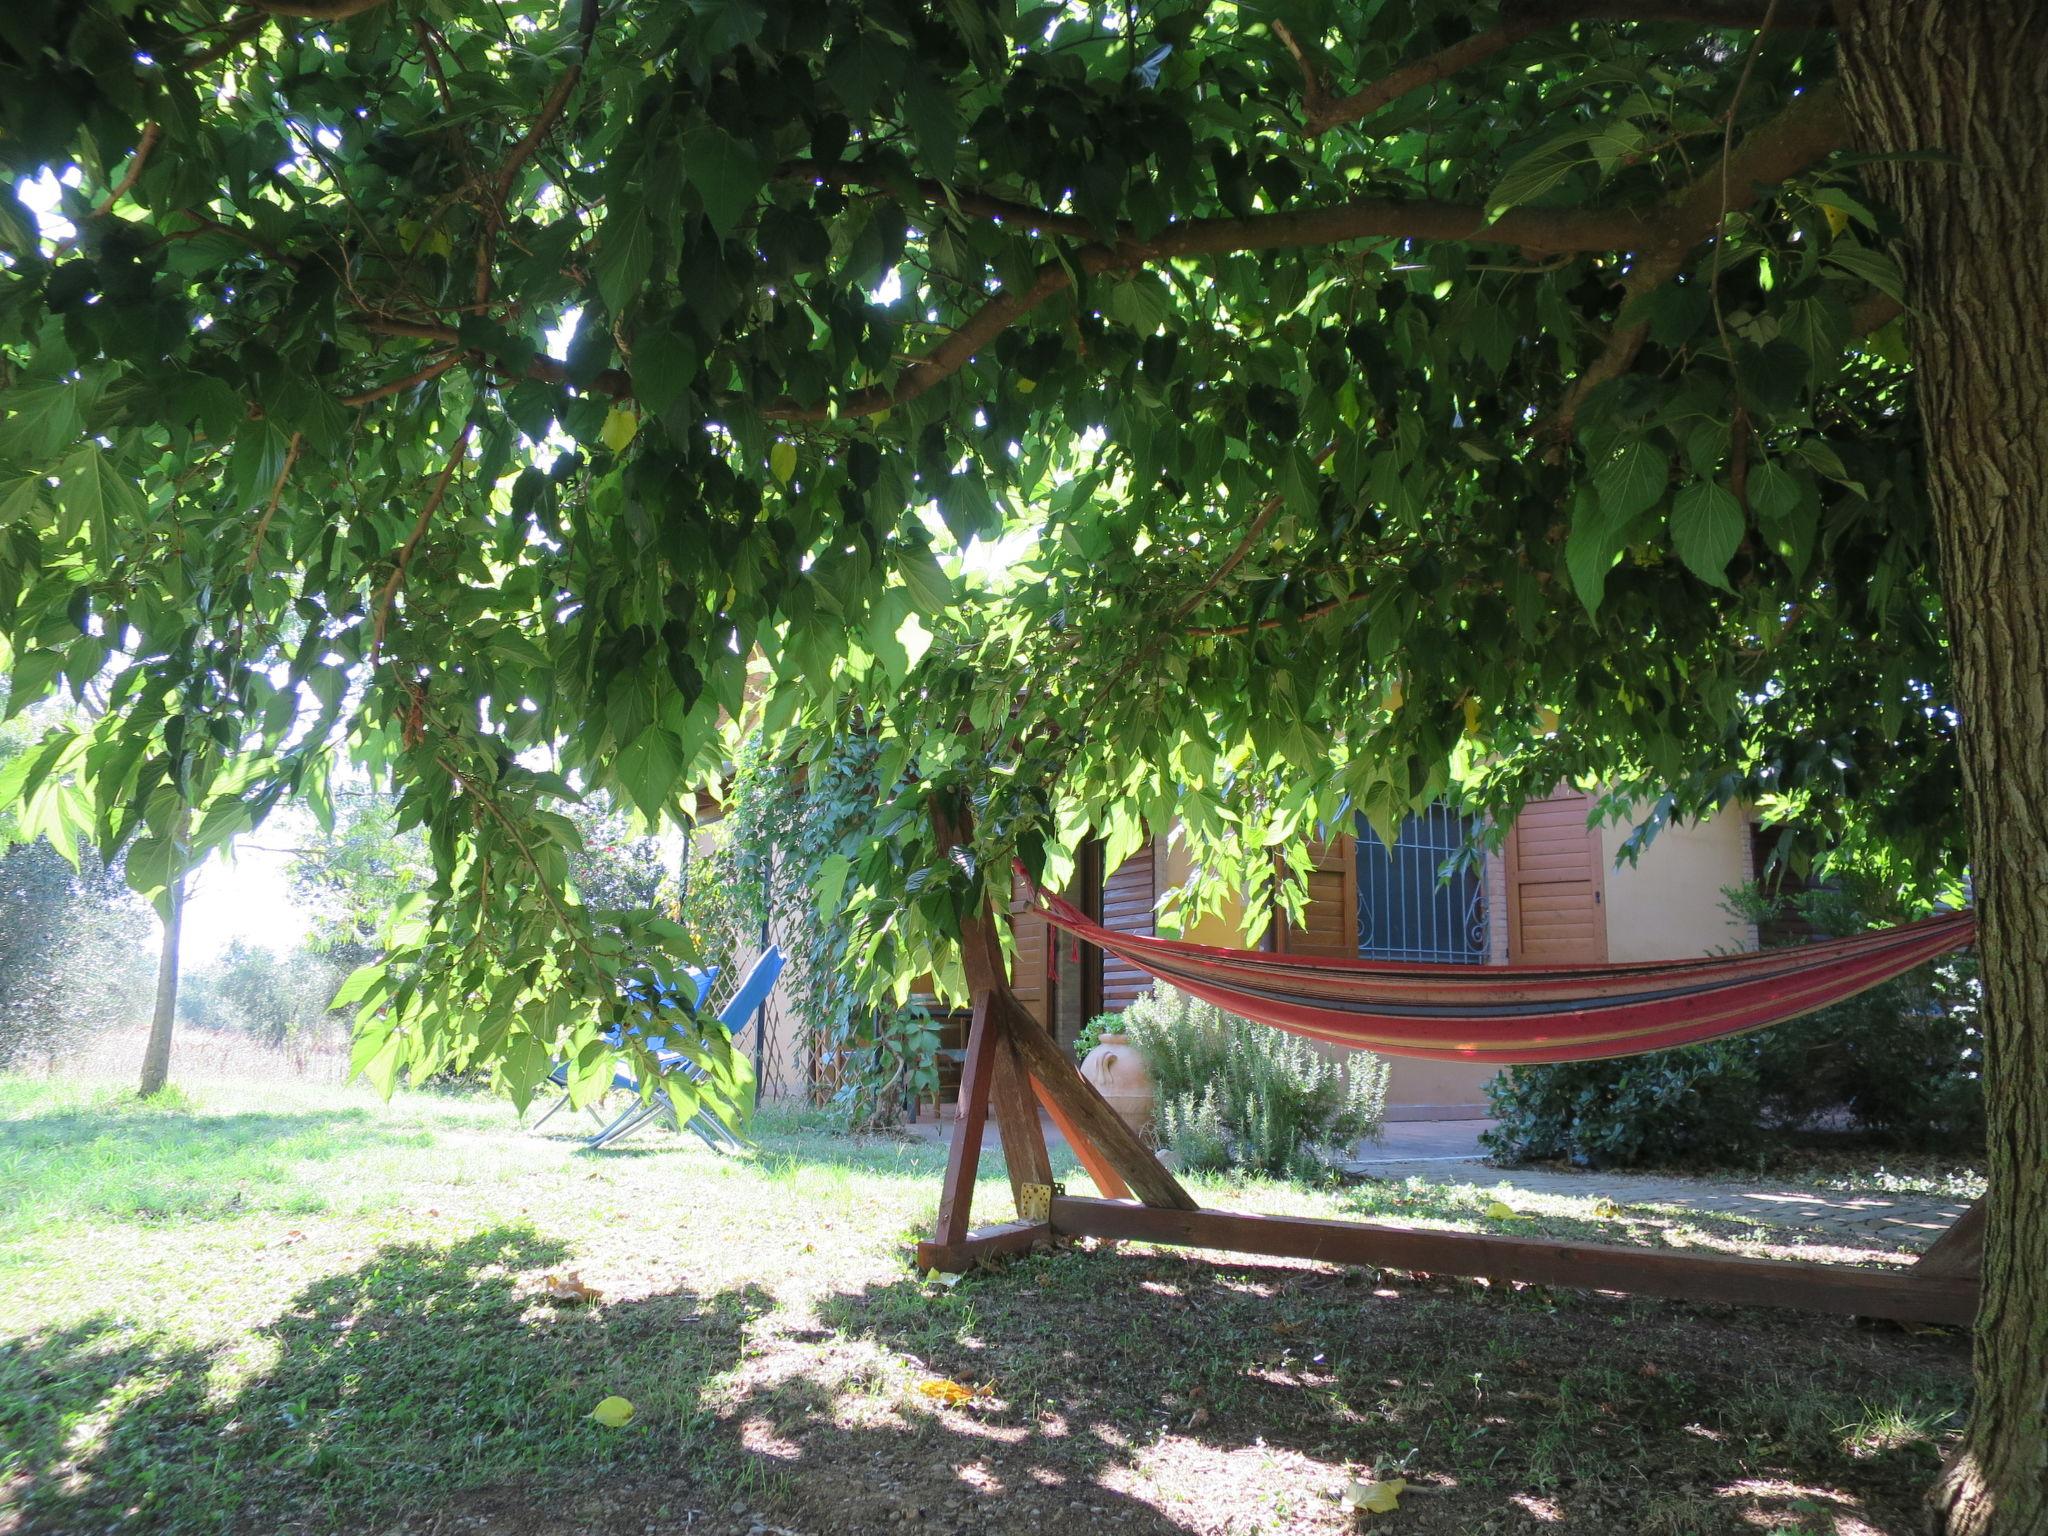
{"x":570,"y":1287}
{"x":1395,"y":697}
{"x":940,"y":1390}
{"x":1375,"y":1497}
{"x":1499,"y":1210}
{"x":1605,"y":1207}
{"x":1471,"y":706}
{"x":619,"y":427}
{"x":1025,"y":386}
{"x":613,"y":1413}
{"x":782,"y":461}
{"x":1837,"y":219}
{"x":1546,"y":720}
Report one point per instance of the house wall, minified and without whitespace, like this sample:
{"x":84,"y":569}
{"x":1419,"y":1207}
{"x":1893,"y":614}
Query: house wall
{"x":1667,"y":905}
{"x":1670,"y":903}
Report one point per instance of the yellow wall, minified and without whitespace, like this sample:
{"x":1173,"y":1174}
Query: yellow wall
{"x":1669,"y":905}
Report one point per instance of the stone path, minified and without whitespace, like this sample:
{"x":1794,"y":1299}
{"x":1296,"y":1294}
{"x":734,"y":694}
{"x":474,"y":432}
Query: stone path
{"x":1448,"y":1152}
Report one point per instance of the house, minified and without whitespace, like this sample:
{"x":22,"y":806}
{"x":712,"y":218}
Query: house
{"x":1554,"y":894}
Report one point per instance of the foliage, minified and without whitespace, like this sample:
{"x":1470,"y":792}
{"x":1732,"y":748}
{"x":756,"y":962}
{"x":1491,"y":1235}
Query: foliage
{"x":1092,"y":1032}
{"x":1232,"y":1093}
{"x":479,"y":390}
{"x":1903,"y":1061}
{"x":74,"y":944}
{"x":276,"y":998}
{"x":789,"y":828}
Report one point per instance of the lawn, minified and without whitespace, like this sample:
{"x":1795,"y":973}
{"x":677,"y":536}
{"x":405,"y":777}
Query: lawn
{"x":278,"y":1306}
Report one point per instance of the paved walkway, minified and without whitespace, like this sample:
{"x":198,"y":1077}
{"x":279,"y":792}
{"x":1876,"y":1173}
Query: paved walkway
{"x":1448,"y":1152}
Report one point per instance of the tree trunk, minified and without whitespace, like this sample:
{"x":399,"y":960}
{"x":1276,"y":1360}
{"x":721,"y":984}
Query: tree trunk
{"x":1970,"y":77}
{"x":156,"y":1060}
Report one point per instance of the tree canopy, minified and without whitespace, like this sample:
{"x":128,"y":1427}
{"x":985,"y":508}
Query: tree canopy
{"x":1235,"y":414}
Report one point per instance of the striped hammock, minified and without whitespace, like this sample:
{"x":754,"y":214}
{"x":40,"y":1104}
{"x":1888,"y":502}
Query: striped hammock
{"x":1525,"y":1013}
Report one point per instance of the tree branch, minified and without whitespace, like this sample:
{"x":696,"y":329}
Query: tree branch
{"x":523,"y":151}
{"x":291,"y":457}
{"x":1518,"y":21}
{"x":419,"y":529}
{"x":433,"y":370}
{"x":317,"y":10}
{"x":152,"y":133}
{"x":1809,"y":128}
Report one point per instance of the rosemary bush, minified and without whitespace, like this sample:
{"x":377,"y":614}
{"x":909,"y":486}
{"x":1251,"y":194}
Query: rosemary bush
{"x":1235,"y":1094}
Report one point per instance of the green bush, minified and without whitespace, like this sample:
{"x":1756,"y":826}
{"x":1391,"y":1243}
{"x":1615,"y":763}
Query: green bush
{"x":1901,"y":1063}
{"x":1232,"y":1093}
{"x":1697,"y":1105}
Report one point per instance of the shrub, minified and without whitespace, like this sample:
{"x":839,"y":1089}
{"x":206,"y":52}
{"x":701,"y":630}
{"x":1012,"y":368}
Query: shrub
{"x":1232,"y":1093}
{"x":1902,"y":1062}
{"x":1687,"y":1106}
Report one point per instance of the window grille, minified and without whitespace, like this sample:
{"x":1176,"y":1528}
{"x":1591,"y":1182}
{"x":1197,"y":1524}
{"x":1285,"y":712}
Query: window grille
{"x":1408,"y":909}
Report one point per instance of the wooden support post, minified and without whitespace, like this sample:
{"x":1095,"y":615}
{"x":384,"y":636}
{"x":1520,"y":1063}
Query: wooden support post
{"x":1106,"y":1178}
{"x":988,"y":1243}
{"x":1959,"y":1250}
{"x":1087,"y":1113}
{"x":1904,"y":1295}
{"x":956,"y":1197}
{"x":1024,"y":1153}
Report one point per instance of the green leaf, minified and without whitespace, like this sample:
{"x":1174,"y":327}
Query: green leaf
{"x":649,"y":766}
{"x":830,"y":883}
{"x":625,"y":255}
{"x":1706,"y":530}
{"x":929,"y":586}
{"x":1872,"y":267}
{"x":1632,"y":479}
{"x":665,"y":364}
{"x":1590,"y":550}
{"x":1772,"y":491}
{"x":726,"y":172}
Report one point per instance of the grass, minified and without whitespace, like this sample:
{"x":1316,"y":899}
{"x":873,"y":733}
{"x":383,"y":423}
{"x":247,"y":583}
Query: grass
{"x":283,"y":1305}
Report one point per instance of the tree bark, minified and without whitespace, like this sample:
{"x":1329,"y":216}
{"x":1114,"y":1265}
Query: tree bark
{"x":1970,"y":77}
{"x":156,"y":1058}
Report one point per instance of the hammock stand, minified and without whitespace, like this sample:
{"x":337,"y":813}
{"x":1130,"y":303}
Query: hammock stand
{"x":1014,"y":1066}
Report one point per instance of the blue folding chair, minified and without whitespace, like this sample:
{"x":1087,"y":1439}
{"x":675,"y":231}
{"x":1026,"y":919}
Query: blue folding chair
{"x":560,"y":1076}
{"x":751,"y":993}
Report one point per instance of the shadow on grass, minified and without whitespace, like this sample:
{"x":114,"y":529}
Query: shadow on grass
{"x":432,"y":1382}
{"x":1264,"y":1386}
{"x":425,"y":1371}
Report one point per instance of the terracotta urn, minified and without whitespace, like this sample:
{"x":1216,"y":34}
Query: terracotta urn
{"x":1118,"y":1072}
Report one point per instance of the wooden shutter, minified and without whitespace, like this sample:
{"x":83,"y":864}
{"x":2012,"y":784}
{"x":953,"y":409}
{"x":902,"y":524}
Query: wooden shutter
{"x":1329,"y":925}
{"x":1028,"y":969}
{"x":1128,"y":898}
{"x":1556,"y":911}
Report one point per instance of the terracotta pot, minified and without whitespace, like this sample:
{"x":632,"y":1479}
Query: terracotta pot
{"x":1118,"y":1072}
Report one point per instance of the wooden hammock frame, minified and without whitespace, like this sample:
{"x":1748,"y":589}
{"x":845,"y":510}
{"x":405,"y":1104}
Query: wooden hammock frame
{"x":1014,"y":1066}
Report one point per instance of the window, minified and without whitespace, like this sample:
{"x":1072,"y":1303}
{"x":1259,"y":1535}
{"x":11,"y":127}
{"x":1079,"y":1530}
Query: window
{"x":1407,"y":910}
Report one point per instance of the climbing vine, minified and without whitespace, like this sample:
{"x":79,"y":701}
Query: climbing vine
{"x":792,"y":820}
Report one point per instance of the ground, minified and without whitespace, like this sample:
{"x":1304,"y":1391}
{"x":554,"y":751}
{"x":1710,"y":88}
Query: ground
{"x":280,"y":1306}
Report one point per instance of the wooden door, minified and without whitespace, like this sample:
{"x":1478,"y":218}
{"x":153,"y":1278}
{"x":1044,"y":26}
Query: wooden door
{"x":1329,"y":925}
{"x":1556,"y":885}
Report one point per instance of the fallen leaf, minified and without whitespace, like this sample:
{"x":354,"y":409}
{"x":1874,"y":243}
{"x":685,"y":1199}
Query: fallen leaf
{"x":570,"y":1287}
{"x":941,"y":1277}
{"x":940,"y":1390}
{"x":1375,"y":1497}
{"x":1198,"y":1418}
{"x":1606,"y":1208}
{"x":1499,"y":1210}
{"x":613,"y":1413}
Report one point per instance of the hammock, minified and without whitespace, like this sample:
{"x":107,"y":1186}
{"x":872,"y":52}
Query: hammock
{"x":1525,"y":1013}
